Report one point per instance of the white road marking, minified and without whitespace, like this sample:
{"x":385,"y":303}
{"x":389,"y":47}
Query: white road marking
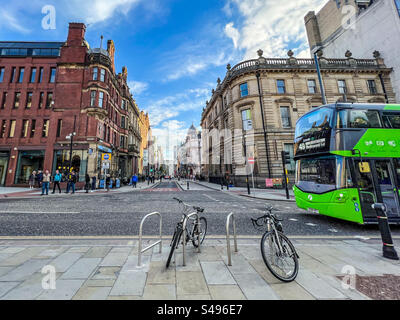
{"x":295,"y":220}
{"x":362,"y":238}
{"x":333,"y":230}
{"x":36,"y":212}
{"x":311,"y":224}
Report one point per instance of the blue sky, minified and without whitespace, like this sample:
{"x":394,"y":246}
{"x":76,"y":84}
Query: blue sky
{"x":174,"y":49}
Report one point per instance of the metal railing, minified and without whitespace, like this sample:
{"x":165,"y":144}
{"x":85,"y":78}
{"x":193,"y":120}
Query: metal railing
{"x":140,"y":250}
{"x":228,"y":237}
{"x":184,"y":234}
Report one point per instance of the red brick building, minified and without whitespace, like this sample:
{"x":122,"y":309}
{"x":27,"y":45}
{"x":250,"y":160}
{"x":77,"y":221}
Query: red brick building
{"x":49,"y":90}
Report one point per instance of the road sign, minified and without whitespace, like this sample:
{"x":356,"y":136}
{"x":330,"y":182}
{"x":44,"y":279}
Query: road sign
{"x":106,"y":165}
{"x":106,"y":157}
{"x":251,"y":160}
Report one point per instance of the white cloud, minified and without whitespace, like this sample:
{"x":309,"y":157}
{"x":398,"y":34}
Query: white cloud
{"x":232,"y":33}
{"x":101,"y":10}
{"x":271,"y":25}
{"x":137,"y":87}
{"x":8,"y":21}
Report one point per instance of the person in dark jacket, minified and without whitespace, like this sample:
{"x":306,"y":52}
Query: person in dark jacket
{"x":39,"y":179}
{"x":108,"y":181}
{"x":71,"y":182}
{"x":94,"y":180}
{"x":87,"y":183}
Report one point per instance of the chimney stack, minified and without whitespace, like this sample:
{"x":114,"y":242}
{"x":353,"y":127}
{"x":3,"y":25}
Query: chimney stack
{"x":76,"y":34}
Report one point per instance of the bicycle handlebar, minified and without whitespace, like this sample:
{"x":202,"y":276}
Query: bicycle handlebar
{"x":198,"y":209}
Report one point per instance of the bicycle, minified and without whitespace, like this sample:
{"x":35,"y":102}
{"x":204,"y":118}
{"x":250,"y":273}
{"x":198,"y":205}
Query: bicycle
{"x":195,"y":232}
{"x":277,"y":251}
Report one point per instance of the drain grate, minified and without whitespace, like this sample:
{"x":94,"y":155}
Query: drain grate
{"x":386,"y":287}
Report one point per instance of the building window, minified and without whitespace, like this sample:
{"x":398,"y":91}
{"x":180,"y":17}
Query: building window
{"x":102,"y":75}
{"x":101,"y":99}
{"x":3,"y":128}
{"x":33,"y":75}
{"x":312,"y":86}
{"x":92,"y":98}
{"x":49,"y":101}
{"x":1,"y":74}
{"x":45,"y":131}
{"x":123,"y":122}
{"x":342,"y":86}
{"x":40,"y":75}
{"x":244,"y":90}
{"x":25,"y":126}
{"x":21,"y":75}
{"x":59,"y":128}
{"x":247,"y":120}
{"x":33,"y":128}
{"x":372,"y":87}
{"x":281,"y":86}
{"x":52,"y":75}
{"x":4,"y":100}
{"x":285,"y":116}
{"x":123,"y":104}
{"x":41,"y":99}
{"x":16,"y":100}
{"x":122,"y":141}
{"x":11,"y":133}
{"x":29,"y":100}
{"x":95,"y":74}
{"x":13,"y":70}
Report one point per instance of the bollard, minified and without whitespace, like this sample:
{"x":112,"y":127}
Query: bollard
{"x":188,"y":187}
{"x":389,"y":251}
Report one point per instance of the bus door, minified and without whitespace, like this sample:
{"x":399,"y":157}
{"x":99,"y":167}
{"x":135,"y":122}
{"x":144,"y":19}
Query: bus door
{"x":387,"y":186}
{"x":368,"y":197}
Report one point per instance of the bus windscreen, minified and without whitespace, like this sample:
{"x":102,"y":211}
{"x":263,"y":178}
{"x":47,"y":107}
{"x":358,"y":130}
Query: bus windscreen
{"x":319,"y":120}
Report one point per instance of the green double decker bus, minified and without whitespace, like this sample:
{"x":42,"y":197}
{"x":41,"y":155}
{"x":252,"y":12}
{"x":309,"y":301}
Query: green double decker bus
{"x":348,"y":158}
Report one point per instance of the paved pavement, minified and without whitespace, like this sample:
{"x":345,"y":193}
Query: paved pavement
{"x":107,"y":269}
{"x":262,"y":194}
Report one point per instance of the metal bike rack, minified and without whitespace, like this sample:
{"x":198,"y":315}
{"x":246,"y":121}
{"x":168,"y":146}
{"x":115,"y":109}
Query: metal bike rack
{"x":228,"y":237}
{"x":140,"y":251}
{"x":184,"y":234}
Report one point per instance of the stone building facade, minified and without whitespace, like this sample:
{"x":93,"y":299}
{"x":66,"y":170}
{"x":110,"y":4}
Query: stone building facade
{"x":361,"y":27}
{"x":49,"y":91}
{"x":277,"y":92}
{"x":144,"y":126}
{"x":188,"y":154}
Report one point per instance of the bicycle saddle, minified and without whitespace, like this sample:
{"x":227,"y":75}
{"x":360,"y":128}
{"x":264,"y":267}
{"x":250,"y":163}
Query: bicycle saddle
{"x":199,"y":209}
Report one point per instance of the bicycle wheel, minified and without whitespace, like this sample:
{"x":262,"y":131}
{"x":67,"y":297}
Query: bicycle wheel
{"x":174,"y":245}
{"x":199,"y":233}
{"x":283,"y":265}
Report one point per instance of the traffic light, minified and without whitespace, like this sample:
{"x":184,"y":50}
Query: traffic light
{"x":286,"y":158}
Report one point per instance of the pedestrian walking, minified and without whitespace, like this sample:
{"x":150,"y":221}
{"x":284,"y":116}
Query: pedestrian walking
{"x":56,"y":182}
{"x":94,"y":179}
{"x":46,"y":178}
{"x":32,"y":179}
{"x":134,"y":180}
{"x":39,"y":179}
{"x":87,"y":183}
{"x":108,"y":181}
{"x":71,"y":182}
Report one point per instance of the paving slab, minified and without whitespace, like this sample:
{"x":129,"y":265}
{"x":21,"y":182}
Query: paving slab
{"x":64,"y":261}
{"x":194,"y":297}
{"x":27,"y":290}
{"x":92,"y":293}
{"x":191,"y":283}
{"x":25,"y":270}
{"x":51,"y":253}
{"x":21,"y":257}
{"x":316,"y":286}
{"x":160,"y":292}
{"x":5,"y":270}
{"x":130,"y":284}
{"x":78,"y":250}
{"x":7,"y":286}
{"x":97,"y":252}
{"x":12,"y":250}
{"x":82,"y":269}
{"x":291,"y":291}
{"x":65,"y":290}
{"x":106,"y":273}
{"x":226,"y":292}
{"x":217,"y":273}
{"x":159,"y":274}
{"x":100,"y":283}
{"x":254,"y":287}
{"x":114,"y":259}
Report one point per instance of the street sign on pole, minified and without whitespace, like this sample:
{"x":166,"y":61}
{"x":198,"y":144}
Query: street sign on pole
{"x":106,"y":157}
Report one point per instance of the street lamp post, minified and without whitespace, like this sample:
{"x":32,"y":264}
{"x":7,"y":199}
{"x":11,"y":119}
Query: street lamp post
{"x":71,"y":137}
{"x":245,"y":155}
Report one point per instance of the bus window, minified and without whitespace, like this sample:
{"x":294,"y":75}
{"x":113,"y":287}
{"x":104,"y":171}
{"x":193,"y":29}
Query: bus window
{"x":342,"y":119}
{"x":392,"y":121}
{"x":397,"y":169}
{"x":317,"y":175}
{"x":364,"y":119}
{"x":316,"y":121}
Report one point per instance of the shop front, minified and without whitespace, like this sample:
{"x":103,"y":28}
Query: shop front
{"x":28,"y":161}
{"x":61,"y":162}
{"x":4,"y":156}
